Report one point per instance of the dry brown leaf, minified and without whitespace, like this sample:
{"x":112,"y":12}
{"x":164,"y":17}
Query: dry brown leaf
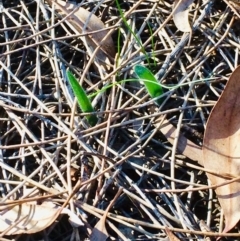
{"x":184,"y":146}
{"x":221,"y":148}
{"x":31,"y":218}
{"x":82,"y":17}
{"x":180,"y":14}
{"x":171,"y":236}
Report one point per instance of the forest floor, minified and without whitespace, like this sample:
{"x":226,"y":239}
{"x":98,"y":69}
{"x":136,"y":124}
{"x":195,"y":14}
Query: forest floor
{"x":126,"y":161}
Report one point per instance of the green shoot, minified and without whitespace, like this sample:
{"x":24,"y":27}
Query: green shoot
{"x":152,"y":85}
{"x":83,"y":100}
{"x":154,"y":89}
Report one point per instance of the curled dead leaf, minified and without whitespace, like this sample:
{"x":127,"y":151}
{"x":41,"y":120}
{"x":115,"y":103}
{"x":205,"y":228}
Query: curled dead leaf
{"x":82,"y":19}
{"x":180,"y":14}
{"x":221,"y":148}
{"x":31,"y":218}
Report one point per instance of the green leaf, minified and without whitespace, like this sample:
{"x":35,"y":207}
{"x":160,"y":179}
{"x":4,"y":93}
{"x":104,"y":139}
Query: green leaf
{"x":83,"y":101}
{"x":153,"y":87}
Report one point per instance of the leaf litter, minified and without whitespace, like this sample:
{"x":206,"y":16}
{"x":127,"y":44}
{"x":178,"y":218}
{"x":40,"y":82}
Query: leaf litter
{"x":44,"y":135}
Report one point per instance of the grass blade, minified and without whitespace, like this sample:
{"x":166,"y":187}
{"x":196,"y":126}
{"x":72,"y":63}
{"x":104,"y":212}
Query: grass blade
{"x":83,"y":100}
{"x":131,"y":31}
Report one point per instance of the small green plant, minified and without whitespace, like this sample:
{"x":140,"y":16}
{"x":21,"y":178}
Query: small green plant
{"x":151,"y":84}
{"x":83,"y":100}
